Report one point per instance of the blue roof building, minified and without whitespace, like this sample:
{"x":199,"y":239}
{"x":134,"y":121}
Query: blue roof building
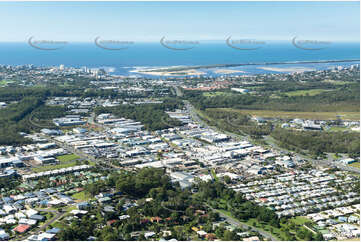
{"x":53,"y":231}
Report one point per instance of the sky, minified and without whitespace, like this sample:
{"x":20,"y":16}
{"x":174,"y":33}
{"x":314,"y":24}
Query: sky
{"x":150,"y":21}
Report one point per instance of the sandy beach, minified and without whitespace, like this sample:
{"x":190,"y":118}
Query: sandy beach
{"x":190,"y":72}
{"x":226,"y":71}
{"x":287,"y":69}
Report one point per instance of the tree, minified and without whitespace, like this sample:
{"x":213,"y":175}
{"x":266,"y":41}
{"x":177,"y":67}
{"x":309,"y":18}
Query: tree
{"x":229,"y":235}
{"x":227,"y":179}
{"x":318,"y":237}
{"x":174,"y":216}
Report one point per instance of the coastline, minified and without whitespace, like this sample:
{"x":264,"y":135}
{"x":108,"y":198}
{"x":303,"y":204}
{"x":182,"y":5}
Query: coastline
{"x":224,"y":69}
{"x":183,"y":68}
{"x":287,"y":69}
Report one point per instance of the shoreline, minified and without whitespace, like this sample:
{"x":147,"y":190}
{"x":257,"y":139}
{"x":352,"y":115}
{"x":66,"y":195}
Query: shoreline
{"x":184,"y":68}
{"x":287,"y":69}
{"x":224,"y":69}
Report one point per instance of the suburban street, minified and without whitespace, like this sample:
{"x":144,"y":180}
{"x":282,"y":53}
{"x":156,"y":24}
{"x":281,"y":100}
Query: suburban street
{"x":237,"y":223}
{"x":57,"y":216}
{"x":43,"y":227}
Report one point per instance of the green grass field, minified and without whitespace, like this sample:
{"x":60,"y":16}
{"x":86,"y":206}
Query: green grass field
{"x":353,"y":239}
{"x":5,"y":82}
{"x":65,"y":161}
{"x":54,"y":167}
{"x":67,"y":158}
{"x":355,"y":164}
{"x":300,"y":220}
{"x":339,"y":129}
{"x":268,"y":228}
{"x":212,"y":94}
{"x":312,"y":92}
{"x":83,"y":196}
{"x":227,"y":213}
{"x":254,"y":222}
{"x":292,"y":115}
{"x":277,"y":232}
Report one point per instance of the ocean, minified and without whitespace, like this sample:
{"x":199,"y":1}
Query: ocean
{"x":146,"y":55}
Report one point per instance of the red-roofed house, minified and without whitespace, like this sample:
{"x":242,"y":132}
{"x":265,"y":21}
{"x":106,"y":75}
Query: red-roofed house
{"x":156,"y":219}
{"x":110,"y":222}
{"x":22,"y":228}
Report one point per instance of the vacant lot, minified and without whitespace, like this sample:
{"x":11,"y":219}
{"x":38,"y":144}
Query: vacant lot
{"x":355,"y":164}
{"x":65,"y":161}
{"x":5,"y":82}
{"x":300,"y":220}
{"x":67,"y":158}
{"x":212,"y":94}
{"x":54,"y":167}
{"x":83,"y":196}
{"x":293,"y":115}
{"x":312,"y":92}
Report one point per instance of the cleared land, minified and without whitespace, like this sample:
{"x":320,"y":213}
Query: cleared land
{"x":267,"y":228}
{"x":65,"y":161}
{"x":312,"y":92}
{"x":292,"y":115}
{"x":300,"y":220}
{"x":341,"y":129}
{"x":83,"y":196}
{"x":355,"y":164}
{"x":5,"y":82}
{"x":279,"y":232}
{"x":212,"y":94}
{"x":54,"y":167}
{"x":67,"y":158}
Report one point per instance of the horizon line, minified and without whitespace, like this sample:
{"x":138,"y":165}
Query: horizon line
{"x":186,"y":39}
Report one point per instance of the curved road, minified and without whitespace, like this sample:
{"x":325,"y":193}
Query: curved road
{"x":237,"y":223}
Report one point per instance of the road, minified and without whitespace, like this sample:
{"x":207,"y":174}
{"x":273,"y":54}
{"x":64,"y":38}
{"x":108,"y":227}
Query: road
{"x":178,"y":91}
{"x":237,"y":223}
{"x":97,"y":161}
{"x":57,"y":216}
{"x":325,"y":163}
{"x":194,"y":115}
{"x":44,"y":226}
{"x":70,"y":148}
{"x":91,"y":121}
